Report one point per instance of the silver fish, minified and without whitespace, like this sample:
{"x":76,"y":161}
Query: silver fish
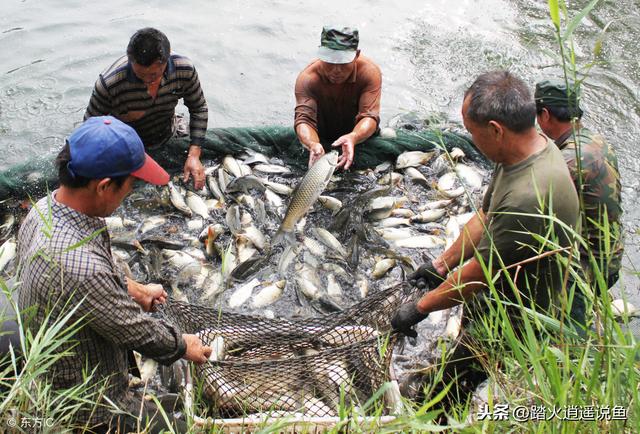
{"x":254,"y":157}
{"x":235,"y":167}
{"x":7,"y":253}
{"x":287,"y":257}
{"x":470,"y":176}
{"x":278,"y":188}
{"x":254,"y":235}
{"x":435,"y":204}
{"x":447,"y":181}
{"x":420,"y":242}
{"x":452,"y":194}
{"x":330,"y":203}
{"x":327,"y":238}
{"x":197,"y":205}
{"x":394,"y":178}
{"x":394,"y":221}
{"x":273,"y":199}
{"x":382,"y":267}
{"x":246,"y":183}
{"x":233,"y":219}
{"x":243,"y":293}
{"x":393,"y":234}
{"x":177,"y":199}
{"x":151,"y":223}
{"x":271,"y":168}
{"x":307,"y":192}
{"x":416,"y":176}
{"x":118,"y":223}
{"x":269,"y":294}
{"x":413,"y":158}
{"x":314,"y":247}
{"x":402,"y":212}
{"x":427,"y":216}
{"x":178,"y":258}
{"x":212,"y":182}
{"x":333,"y":287}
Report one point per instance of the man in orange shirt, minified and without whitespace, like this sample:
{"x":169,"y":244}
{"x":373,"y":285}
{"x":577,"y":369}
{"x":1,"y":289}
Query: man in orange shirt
{"x":337,"y":97}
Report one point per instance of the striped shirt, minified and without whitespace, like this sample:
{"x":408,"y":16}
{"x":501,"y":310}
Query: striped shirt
{"x":55,"y":280}
{"x":119,"y":92}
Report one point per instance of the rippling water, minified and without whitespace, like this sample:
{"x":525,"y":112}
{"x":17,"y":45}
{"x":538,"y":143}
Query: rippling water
{"x":249,"y":53}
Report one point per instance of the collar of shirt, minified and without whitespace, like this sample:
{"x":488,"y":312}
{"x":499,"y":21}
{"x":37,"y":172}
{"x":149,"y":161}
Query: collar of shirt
{"x":133,"y":78}
{"x":75,"y":218}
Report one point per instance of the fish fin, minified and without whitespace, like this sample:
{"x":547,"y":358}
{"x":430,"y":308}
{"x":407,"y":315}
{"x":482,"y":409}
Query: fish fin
{"x":283,"y":235}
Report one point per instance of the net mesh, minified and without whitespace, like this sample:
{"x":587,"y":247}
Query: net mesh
{"x":35,"y":176}
{"x":308,"y":366}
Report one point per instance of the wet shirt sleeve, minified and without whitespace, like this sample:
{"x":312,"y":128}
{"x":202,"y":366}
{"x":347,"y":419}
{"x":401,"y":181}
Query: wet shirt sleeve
{"x":100,"y":103}
{"x":369,"y":102}
{"x":306,"y":111}
{"x":113,"y":314}
{"x":198,"y":110}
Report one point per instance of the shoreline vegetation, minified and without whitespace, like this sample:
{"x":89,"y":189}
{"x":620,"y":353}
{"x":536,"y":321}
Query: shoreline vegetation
{"x":548,"y":378}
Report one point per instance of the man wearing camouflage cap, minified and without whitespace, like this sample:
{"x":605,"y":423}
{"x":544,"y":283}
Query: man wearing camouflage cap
{"x":558,"y":112}
{"x":337,"y":97}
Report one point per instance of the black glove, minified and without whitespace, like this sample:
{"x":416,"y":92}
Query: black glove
{"x":426,"y":276}
{"x":406,"y":317}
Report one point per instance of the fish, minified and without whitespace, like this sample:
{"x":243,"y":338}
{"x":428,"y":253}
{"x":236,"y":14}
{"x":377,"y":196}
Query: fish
{"x":327,"y":238}
{"x":394,"y":178}
{"x":413,"y":159}
{"x":235,"y":167}
{"x":233,"y":219}
{"x":394,"y":221}
{"x":212,"y":286}
{"x":217,"y":230}
{"x":7,"y":225}
{"x":469,"y":176}
{"x":447,"y":181}
{"x":416,"y":176}
{"x":195,"y":224}
{"x":308,"y":282}
{"x":278,"y":188}
{"x":330,"y":203}
{"x":254,"y":157}
{"x":307,"y":192}
{"x":271,"y":168}
{"x":395,"y":233}
{"x":435,"y":204}
{"x":214,"y":204}
{"x":452,"y":194}
{"x":197,"y":205}
{"x":402,"y":212}
{"x":420,"y":242}
{"x":246,"y":183}
{"x":456,"y":153}
{"x":247,"y":200}
{"x":178,"y":258}
{"x":210,"y":246}
{"x":273,"y":199}
{"x":245,"y":250}
{"x":427,"y":216}
{"x":115,"y":223}
{"x":619,"y":308}
{"x":223,"y":179}
{"x":288,"y":255}
{"x":243,"y":293}
{"x":268,"y":295}
{"x":213,"y":185}
{"x":7,"y":253}
{"x":254,"y":235}
{"x":382,"y":167}
{"x":314,"y":247}
{"x":385,"y":202}
{"x":363,"y":287}
{"x":452,"y":232}
{"x":382,"y":267}
{"x":177,"y":199}
{"x":333,"y":287}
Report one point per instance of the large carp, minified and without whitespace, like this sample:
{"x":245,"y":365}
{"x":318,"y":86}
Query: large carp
{"x":307,"y":192}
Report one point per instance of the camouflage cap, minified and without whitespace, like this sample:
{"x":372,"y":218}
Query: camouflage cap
{"x":338,"y":45}
{"x":554,"y":93}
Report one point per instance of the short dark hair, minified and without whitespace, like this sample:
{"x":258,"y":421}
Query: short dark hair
{"x":69,"y":180}
{"x":502,"y":97}
{"x":147,"y":46}
{"x":563,"y":114}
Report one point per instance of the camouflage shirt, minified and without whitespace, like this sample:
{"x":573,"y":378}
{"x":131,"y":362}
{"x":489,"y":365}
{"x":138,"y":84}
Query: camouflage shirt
{"x":600,"y":194}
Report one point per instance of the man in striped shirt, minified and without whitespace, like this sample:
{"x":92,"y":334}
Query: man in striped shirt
{"x":142,"y":89}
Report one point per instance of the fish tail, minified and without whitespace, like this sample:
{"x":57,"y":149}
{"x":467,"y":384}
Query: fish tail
{"x":283,"y":235}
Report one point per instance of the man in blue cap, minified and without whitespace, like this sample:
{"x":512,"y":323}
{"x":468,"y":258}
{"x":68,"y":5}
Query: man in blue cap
{"x":337,"y":97}
{"x":65,"y":262}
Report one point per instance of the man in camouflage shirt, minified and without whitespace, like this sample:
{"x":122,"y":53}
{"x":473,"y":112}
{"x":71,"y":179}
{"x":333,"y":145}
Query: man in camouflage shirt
{"x":596,"y":178}
{"x":65,"y":258}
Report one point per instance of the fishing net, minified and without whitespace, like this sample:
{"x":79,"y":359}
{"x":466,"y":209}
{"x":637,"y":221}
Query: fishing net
{"x":33,"y":177}
{"x":309,"y":366}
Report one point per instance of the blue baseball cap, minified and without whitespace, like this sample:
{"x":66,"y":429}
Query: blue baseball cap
{"x":105,"y":147}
